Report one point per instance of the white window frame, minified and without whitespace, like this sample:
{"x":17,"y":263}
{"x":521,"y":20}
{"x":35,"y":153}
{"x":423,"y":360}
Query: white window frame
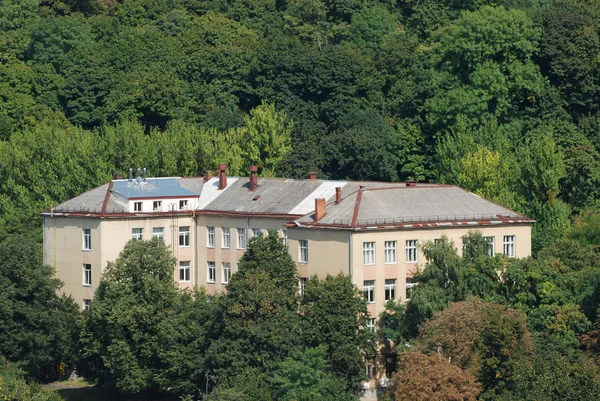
{"x":303,"y":245}
{"x":183,"y":204}
{"x":87,"y":239}
{"x":284,"y":237}
{"x":137,"y":234}
{"x":256,"y":232}
{"x":371,"y":323}
{"x":509,"y":246}
{"x":87,"y":275}
{"x":210,"y":237}
{"x":138,"y":206}
{"x":241,"y":238}
{"x":369,"y":290}
{"x":158,"y":232}
{"x":492,"y":248}
{"x":226,"y":272}
{"x":157,"y":206}
{"x":390,"y":289}
{"x":211,"y":272}
{"x":369,"y":253}
{"x":390,"y":252}
{"x":302,"y":285}
{"x":226,"y":232}
{"x":87,"y":303}
{"x":185,"y":272}
{"x":184,"y":236}
{"x":410,"y":286}
{"x":412,"y":251}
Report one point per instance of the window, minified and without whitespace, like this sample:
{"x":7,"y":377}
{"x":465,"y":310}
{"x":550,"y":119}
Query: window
{"x":256,"y":232}
{"x":390,"y":252}
{"x":184,"y":271}
{"x":411,"y":251}
{"x":437,"y":241}
{"x":303,"y":250}
{"x":410,"y":286}
{"x":371,"y":324}
{"x":158,"y":232}
{"x":137,"y":234}
{"x":87,"y":303}
{"x":390,"y":289}
{"x":369,"y":290}
{"x":211,"y":272}
{"x":509,"y":246}
{"x":284,"y":237}
{"x":302,"y":284}
{"x":371,"y":369}
{"x":210,"y":237}
{"x":226,"y":273}
{"x":87,"y":239}
{"x":241,"y":234}
{"x":87,"y":274}
{"x":183,"y":204}
{"x":226,"y":237}
{"x":491,"y":249}
{"x":368,"y":253}
{"x":184,"y":236}
{"x":157,"y":205}
{"x":137,"y":206}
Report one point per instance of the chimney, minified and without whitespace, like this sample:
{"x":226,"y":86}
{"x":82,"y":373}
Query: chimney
{"x":312,"y":175}
{"x":117,"y":176}
{"x":253,"y":178}
{"x":338,"y":195}
{"x":130,"y":175}
{"x":320,"y":209}
{"x":207,"y":175}
{"x":222,"y":176}
{"x":411,"y":183}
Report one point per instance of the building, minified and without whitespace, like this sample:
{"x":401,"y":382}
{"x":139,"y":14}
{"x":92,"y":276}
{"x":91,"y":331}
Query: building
{"x":371,"y":231}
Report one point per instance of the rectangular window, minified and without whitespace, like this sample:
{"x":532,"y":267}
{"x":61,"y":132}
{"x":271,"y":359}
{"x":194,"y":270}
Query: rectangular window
{"x":226,"y":237}
{"x":211,"y":272}
{"x":390,"y":289}
{"x":371,"y":323}
{"x":210,"y":237}
{"x":371,"y":369}
{"x":137,"y":206}
{"x":184,"y":236}
{"x":302,"y":284}
{"x":390,"y":252}
{"x":158,"y":232}
{"x":137,"y":234}
{"x":184,"y":271}
{"x":87,"y":274}
{"x":411,"y":251}
{"x":226,"y":272}
{"x":303,"y":250}
{"x":157,"y":206}
{"x":491,"y":249}
{"x":410,"y":286}
{"x":256,"y":232}
{"x":87,"y":239}
{"x":241,"y":236}
{"x":87,"y":303}
{"x":284,"y":237}
{"x":509,"y":246}
{"x":368,"y":253}
{"x":369,"y":290}
{"x":183,"y":204}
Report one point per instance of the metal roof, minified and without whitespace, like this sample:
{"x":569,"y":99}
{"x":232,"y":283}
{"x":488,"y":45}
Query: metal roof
{"x":153,"y":188}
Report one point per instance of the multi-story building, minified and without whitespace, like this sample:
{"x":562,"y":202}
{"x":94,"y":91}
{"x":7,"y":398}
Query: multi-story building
{"x":371,"y":231}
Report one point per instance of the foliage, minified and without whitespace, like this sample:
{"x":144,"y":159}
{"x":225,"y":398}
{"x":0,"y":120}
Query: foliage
{"x":13,"y":386}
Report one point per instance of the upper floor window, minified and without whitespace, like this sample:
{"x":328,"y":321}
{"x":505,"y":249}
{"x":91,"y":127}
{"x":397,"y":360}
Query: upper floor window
{"x":184,"y":271}
{"x":369,"y":290}
{"x":390,"y":252}
{"x":368,"y":253}
{"x":509,"y":246}
{"x":303,"y":250}
{"x":157,"y":205}
{"x":390,"y":289}
{"x":210,"y":237}
{"x":411,"y":251}
{"x":302,"y":284}
{"x":212,"y":274}
{"x":184,"y":236}
{"x":241,"y":237}
{"x":137,"y":206}
{"x":137,"y":234}
{"x":226,"y":273}
{"x":491,"y":248}
{"x":371,"y":323}
{"x":158,"y":232}
{"x":87,"y":274}
{"x":87,"y":239}
{"x":183,"y":204}
{"x":87,"y":304}
{"x":226,"y":237}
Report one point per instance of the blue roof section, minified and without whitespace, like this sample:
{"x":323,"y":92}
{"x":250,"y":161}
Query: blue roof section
{"x":153,"y":187}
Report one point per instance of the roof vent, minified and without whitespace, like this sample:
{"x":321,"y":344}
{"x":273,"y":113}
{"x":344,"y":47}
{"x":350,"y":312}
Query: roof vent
{"x":130,"y":175}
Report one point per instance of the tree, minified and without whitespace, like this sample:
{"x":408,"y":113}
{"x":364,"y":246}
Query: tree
{"x":13,"y":386}
{"x":38,"y":328}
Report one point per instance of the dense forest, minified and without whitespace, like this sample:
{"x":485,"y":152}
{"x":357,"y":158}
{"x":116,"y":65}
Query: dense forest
{"x":500,"y":97}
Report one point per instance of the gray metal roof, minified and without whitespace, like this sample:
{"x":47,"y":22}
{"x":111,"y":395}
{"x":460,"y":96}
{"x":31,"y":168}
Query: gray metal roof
{"x":153,"y":188}
{"x":88,"y":202}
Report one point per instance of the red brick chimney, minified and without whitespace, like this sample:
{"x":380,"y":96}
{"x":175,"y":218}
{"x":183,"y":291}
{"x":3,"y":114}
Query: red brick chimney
{"x":222,"y":176}
{"x":338,"y":195}
{"x":320,"y":208}
{"x":207,"y":176}
{"x":312,"y":175}
{"x":253,"y":178}
{"x":411,"y":183}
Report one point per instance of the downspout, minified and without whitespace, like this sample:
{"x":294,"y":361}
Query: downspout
{"x":54,"y":235}
{"x":350,"y":254}
{"x":196,"y":273}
